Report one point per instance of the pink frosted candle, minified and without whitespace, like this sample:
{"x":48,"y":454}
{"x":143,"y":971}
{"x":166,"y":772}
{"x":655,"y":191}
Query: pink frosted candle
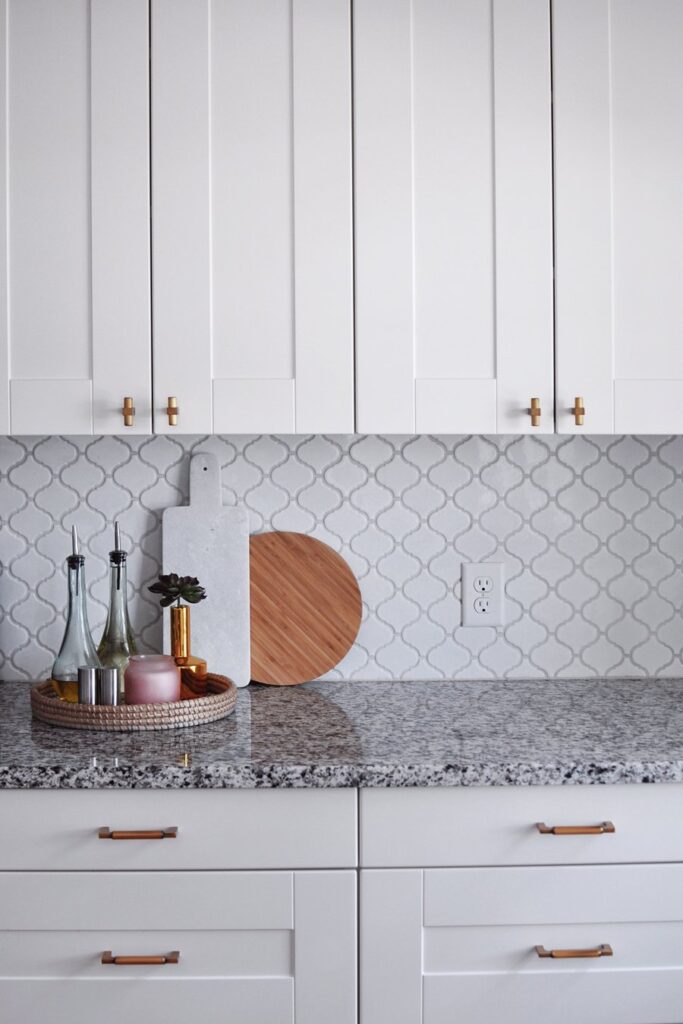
{"x":152,"y":679}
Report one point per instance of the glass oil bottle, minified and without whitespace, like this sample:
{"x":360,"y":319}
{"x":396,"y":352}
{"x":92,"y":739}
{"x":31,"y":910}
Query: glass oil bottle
{"x":117,"y":643}
{"x":78,"y":649}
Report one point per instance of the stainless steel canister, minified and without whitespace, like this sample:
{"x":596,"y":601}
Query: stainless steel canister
{"x":107,"y":685}
{"x":87,"y":685}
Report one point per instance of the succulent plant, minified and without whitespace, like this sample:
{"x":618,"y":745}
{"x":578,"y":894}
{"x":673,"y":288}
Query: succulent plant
{"x":173,"y":587}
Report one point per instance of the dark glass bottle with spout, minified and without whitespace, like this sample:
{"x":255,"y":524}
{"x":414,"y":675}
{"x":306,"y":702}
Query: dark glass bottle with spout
{"x":77,"y":647}
{"x":117,"y":643}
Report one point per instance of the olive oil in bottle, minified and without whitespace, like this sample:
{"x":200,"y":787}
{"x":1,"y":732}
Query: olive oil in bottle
{"x":78,"y":649}
{"x":117,"y":643}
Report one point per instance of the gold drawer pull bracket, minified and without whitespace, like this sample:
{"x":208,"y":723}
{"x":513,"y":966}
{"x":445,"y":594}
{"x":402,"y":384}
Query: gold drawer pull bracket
{"x":574,"y":954}
{"x":151,"y":833}
{"x":133,"y":961}
{"x":604,"y":828}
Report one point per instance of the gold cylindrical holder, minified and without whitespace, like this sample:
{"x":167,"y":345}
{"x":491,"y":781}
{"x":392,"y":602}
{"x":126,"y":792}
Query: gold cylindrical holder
{"x":180,"y":631}
{"x":180,"y":641}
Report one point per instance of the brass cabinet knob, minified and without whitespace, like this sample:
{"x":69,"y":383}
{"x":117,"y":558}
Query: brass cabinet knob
{"x":579,"y":411}
{"x":535,"y":412}
{"x":172,"y":411}
{"x":128,"y":411}
{"x":574,"y":954}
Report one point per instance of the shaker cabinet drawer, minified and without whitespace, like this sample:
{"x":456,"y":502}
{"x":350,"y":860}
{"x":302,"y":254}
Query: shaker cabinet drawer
{"x":596,"y":944}
{"x":251,"y":947}
{"x":216,"y":829}
{"x":500,"y":825}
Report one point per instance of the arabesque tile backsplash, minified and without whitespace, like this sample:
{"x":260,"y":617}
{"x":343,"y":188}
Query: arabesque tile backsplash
{"x":590,"y":530}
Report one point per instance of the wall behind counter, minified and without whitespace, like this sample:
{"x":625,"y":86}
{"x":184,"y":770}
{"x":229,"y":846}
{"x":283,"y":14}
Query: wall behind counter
{"x":590,"y":530}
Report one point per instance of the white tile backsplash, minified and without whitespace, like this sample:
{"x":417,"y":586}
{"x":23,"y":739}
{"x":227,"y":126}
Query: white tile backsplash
{"x":590,"y":530}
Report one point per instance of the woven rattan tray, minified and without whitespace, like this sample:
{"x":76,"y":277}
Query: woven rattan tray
{"x":216,"y":699}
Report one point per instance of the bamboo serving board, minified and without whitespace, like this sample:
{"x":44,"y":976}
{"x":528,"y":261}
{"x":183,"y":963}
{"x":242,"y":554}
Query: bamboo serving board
{"x":305,"y":608}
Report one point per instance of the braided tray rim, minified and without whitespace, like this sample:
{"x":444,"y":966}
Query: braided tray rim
{"x":47,"y":707}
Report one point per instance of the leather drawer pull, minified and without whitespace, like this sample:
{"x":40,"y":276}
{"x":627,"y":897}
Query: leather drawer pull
{"x":602,"y":829}
{"x":134,"y":961}
{"x":152,"y":833}
{"x":574,"y":954}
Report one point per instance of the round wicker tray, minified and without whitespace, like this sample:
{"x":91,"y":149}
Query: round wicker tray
{"x":217,"y":701}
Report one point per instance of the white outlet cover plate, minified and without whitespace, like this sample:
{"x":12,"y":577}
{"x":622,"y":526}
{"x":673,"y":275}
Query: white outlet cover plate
{"x":483,"y":580}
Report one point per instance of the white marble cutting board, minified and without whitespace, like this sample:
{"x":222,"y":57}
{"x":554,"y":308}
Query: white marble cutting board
{"x":211,"y":541}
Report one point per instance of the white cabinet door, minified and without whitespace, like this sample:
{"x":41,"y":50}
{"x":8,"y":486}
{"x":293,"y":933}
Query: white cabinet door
{"x":254,"y":947}
{"x":453,"y":201}
{"x":74,"y":216}
{"x":252,"y":221}
{"x":441,"y":946}
{"x":618,"y":81}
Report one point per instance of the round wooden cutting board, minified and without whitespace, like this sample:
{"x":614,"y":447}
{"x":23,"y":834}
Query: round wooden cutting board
{"x":305,"y":608}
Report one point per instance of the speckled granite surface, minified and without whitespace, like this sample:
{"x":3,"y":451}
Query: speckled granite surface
{"x":372,"y":734}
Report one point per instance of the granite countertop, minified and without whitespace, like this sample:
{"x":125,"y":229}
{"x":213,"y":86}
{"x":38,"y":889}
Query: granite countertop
{"x":512,"y":733}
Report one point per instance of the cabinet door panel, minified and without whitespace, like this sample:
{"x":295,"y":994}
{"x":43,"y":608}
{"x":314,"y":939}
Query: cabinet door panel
{"x":45,"y":406}
{"x":453,"y":215}
{"x":252,"y":214}
{"x":255,"y":947}
{"x":75,"y":188}
{"x":391,"y":947}
{"x":439,"y":946}
{"x":619,"y":213}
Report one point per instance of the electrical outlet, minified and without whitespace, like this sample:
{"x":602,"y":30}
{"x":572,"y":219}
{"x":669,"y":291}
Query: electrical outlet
{"x":483,"y":594}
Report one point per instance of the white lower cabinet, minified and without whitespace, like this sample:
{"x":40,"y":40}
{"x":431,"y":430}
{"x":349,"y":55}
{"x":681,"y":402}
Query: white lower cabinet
{"x":460,"y":886}
{"x":265,"y":947}
{"x":559,"y":904}
{"x":255,"y":890}
{"x":441,"y":946}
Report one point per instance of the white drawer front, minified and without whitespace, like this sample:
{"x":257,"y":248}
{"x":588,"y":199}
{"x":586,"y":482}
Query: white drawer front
{"x":497,"y":825}
{"x":256,"y":947}
{"x":440,"y":946}
{"x":648,"y":997}
{"x":217,"y":829}
{"x":150,"y":1000}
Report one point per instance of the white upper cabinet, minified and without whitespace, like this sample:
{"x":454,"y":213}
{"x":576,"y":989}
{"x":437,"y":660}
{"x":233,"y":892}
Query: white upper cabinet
{"x":252,"y":215}
{"x":74,"y":216}
{"x":453,"y":200}
{"x":618,"y":74}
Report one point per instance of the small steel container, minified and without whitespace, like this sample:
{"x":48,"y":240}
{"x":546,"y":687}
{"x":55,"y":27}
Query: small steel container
{"x":107,"y":686}
{"x":87,"y":685}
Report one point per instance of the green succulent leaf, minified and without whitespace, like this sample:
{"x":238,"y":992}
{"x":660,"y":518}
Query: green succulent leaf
{"x":172,"y":587}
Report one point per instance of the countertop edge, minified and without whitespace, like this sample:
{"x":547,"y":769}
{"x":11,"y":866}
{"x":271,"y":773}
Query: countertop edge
{"x":322,"y":776}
